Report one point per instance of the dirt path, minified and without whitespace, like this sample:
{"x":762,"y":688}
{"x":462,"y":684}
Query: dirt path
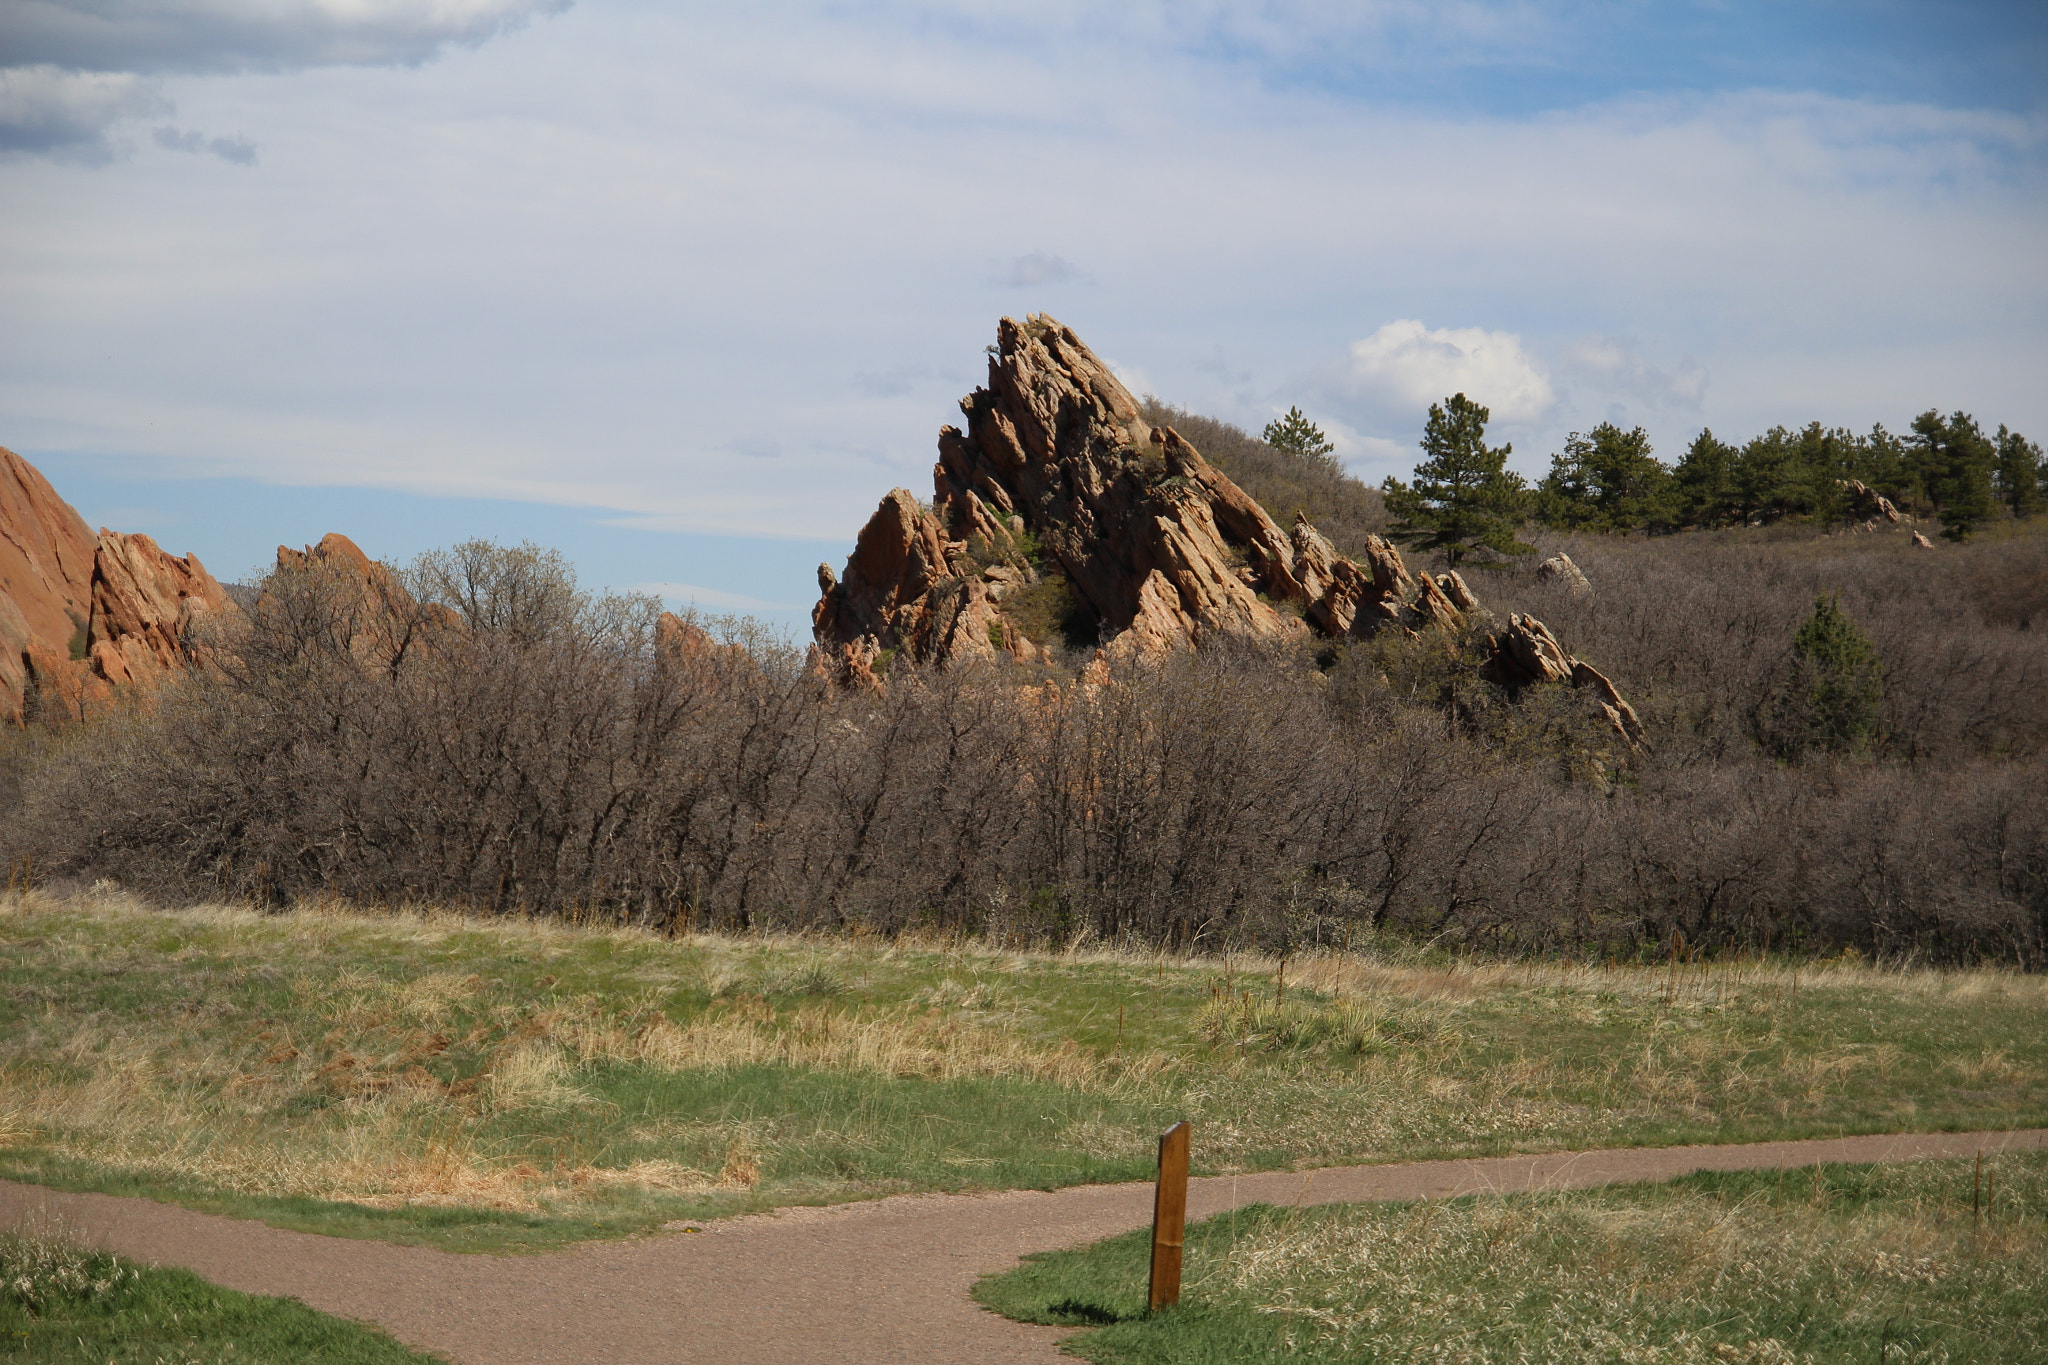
{"x":885,"y":1281}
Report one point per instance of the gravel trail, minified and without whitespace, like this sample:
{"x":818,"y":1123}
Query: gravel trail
{"x":883,"y":1281}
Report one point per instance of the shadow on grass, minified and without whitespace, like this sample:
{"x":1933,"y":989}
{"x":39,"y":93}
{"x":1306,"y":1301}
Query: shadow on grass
{"x":1077,"y":1313}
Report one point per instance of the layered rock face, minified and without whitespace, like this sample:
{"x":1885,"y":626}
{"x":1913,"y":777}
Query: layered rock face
{"x":78,"y":611}
{"x":1525,"y":653}
{"x":1057,"y":514}
{"x":46,"y":554}
{"x":1868,"y":505}
{"x":143,"y":603}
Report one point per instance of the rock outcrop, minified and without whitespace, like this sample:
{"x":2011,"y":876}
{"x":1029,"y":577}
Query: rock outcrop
{"x":376,"y":617}
{"x":1059,"y":516}
{"x":1560,"y":569}
{"x":143,"y":603}
{"x":78,"y":611}
{"x":1524,"y":654}
{"x":1868,"y":505}
{"x":46,"y":554}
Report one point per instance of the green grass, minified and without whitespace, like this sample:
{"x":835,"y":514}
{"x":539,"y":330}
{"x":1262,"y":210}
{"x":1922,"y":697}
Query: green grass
{"x":61,"y":1305}
{"x":1849,"y":1264}
{"x":508,"y":1086}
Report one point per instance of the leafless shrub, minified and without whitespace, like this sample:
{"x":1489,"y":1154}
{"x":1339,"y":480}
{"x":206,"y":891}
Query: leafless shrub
{"x":512,"y":744}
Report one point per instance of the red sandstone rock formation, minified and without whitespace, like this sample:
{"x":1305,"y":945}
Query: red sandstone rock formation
{"x":79,"y":612}
{"x":46,"y":554}
{"x":1056,"y":498}
{"x":143,"y":603}
{"x":378,"y":616}
{"x":1056,"y":492}
{"x":1525,"y":654}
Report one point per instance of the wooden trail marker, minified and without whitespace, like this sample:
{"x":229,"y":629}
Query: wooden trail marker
{"x":1169,"y":1216}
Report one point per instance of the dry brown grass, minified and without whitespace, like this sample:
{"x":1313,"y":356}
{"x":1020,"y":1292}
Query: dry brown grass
{"x":424,"y":1058}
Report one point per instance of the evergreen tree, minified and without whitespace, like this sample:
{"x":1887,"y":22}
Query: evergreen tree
{"x":1820,"y":459}
{"x":1830,"y":701}
{"x":1703,"y":485}
{"x":1296,"y":435}
{"x":1955,"y":461}
{"x":1880,"y":462}
{"x":1766,"y":476}
{"x":1464,"y":499}
{"x":2018,"y":474}
{"x":1606,"y":480}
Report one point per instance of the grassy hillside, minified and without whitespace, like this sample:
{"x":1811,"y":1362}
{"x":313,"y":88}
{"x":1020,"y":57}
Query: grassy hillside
{"x":503,"y":1084}
{"x":1284,"y":482}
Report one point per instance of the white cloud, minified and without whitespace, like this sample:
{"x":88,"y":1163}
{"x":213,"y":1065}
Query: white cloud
{"x":1405,"y":366}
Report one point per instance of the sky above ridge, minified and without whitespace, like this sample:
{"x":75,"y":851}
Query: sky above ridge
{"x":684,"y":289}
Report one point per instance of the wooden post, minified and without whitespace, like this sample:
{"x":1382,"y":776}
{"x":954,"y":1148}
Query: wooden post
{"x":1169,"y":1216}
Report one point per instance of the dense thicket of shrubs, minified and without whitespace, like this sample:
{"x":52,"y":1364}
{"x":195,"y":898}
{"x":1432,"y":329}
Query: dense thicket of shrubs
{"x":548,"y":756}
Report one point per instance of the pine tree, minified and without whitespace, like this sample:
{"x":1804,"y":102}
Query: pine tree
{"x":1606,"y":480}
{"x":1703,"y":485}
{"x":1830,"y":701}
{"x":1296,"y":435}
{"x":1766,"y":476}
{"x":1464,"y":499}
{"x":2018,"y":474}
{"x":1955,"y":461}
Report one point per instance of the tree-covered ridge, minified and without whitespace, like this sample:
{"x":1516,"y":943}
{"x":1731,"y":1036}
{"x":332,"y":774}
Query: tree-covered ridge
{"x":1944,"y":468}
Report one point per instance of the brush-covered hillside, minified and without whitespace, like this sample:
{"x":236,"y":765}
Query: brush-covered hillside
{"x":1131,"y":675}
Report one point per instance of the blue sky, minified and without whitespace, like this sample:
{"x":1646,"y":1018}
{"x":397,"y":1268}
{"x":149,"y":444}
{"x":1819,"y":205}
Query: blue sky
{"x":684,"y":289}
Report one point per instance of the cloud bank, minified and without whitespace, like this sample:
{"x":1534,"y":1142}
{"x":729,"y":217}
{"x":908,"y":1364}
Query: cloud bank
{"x":73,"y":71}
{"x":161,"y":37}
{"x":725,"y":269}
{"x":47,"y":111}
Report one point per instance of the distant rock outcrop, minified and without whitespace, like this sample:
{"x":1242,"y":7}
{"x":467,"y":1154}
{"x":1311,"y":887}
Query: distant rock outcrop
{"x":1868,"y":505}
{"x":1059,"y":516}
{"x":81,"y":611}
{"x":1525,"y":653}
{"x":378,"y":619}
{"x":1560,"y":569}
{"x":143,"y":603}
